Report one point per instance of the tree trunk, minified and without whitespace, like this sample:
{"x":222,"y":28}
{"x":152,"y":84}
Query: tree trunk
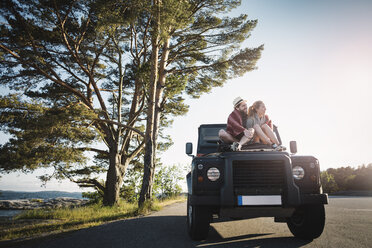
{"x":160,"y":88}
{"x":114,"y":180}
{"x":148,"y":169}
{"x":159,"y":99}
{"x":148,"y":173}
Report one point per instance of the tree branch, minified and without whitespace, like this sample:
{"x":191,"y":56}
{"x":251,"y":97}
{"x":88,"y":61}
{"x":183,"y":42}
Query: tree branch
{"x":136,"y":151}
{"x":90,"y":149}
{"x":89,"y":183}
{"x":196,"y":68}
{"x":122,"y":125}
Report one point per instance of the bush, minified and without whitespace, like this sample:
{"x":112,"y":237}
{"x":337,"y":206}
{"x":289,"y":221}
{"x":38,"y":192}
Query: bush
{"x":328,"y":182}
{"x":167,"y":181}
{"x":94,"y":197}
{"x":347,"y":178}
{"x":166,"y":184}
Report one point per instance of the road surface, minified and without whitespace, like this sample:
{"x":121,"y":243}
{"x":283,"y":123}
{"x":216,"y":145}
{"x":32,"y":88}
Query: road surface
{"x":348,"y":224}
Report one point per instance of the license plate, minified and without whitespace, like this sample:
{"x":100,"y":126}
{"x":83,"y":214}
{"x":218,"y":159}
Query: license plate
{"x":253,"y":200}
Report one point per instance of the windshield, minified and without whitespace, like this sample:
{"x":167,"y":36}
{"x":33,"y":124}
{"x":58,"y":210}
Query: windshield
{"x":208,"y":138}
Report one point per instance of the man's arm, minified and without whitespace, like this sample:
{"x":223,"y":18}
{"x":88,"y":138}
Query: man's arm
{"x":234,"y":124}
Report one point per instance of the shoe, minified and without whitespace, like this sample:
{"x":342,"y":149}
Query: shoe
{"x":235,"y":146}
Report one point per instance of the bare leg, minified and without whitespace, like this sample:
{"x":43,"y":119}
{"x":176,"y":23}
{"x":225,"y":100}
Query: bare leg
{"x":243,"y":141}
{"x":262,"y":135}
{"x":269,"y":132}
{"x":248,"y":136}
{"x":226,"y":137}
{"x":256,"y":139}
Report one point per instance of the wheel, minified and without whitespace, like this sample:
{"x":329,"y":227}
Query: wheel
{"x":307,"y":222}
{"x":198,"y":220}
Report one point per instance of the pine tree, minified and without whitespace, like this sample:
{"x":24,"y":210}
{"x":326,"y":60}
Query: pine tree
{"x":193,"y":49}
{"x":115,"y":72}
{"x":73,"y":84}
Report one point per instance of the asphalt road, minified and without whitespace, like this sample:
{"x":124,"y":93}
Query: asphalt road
{"x":348,"y":224}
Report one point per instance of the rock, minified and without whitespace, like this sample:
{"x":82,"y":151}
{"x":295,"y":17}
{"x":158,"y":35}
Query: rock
{"x":26,"y":204}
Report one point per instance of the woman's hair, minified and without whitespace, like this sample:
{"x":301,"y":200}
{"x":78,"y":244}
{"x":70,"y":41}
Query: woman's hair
{"x":252,"y":110}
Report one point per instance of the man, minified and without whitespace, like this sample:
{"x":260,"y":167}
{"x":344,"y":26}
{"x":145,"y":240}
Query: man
{"x":235,"y":132}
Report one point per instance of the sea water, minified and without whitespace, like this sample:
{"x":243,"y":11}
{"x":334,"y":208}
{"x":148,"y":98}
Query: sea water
{"x":17,"y":195}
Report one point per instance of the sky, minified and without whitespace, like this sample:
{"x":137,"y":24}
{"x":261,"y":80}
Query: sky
{"x":314,"y":76}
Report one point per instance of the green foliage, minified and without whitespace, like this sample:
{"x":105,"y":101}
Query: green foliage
{"x":167,"y":183}
{"x":132,"y":183}
{"x":361,"y":179}
{"x":347,"y":178}
{"x":206,"y":51}
{"x":43,"y":221}
{"x":167,"y":180}
{"x":328,"y":182}
{"x":44,"y":135}
{"x":148,"y":206}
{"x":95,"y":197}
{"x":51,"y":221}
{"x":59,"y":59}
{"x":80,"y":71}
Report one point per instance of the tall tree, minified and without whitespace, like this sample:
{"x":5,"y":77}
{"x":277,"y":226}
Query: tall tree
{"x":103,"y":68}
{"x":194,"y":48}
{"x":74,"y":83}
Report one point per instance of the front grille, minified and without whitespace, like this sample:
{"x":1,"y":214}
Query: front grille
{"x":258,"y":177}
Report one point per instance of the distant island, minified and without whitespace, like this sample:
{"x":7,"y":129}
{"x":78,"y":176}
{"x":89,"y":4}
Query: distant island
{"x":14,"y":195}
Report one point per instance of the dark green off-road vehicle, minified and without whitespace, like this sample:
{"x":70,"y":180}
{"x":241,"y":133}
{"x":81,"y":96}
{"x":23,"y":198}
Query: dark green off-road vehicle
{"x":254,"y":182}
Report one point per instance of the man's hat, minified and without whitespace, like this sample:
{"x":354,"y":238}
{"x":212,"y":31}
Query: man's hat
{"x":237,"y":101}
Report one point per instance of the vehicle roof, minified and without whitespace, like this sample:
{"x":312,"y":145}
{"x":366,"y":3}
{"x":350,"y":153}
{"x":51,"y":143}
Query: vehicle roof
{"x":213,"y":125}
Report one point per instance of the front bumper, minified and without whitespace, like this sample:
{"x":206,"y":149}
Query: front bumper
{"x":304,"y":199}
{"x":227,"y":195}
{"x":311,"y":199}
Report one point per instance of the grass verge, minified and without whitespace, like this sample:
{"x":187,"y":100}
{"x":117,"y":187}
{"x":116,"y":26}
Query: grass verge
{"x":41,"y":222}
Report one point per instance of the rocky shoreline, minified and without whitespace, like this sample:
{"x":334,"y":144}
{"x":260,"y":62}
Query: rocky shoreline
{"x":28,"y":204}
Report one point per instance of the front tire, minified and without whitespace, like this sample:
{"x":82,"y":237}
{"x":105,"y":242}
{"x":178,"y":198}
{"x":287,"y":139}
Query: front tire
{"x":198,"y":221}
{"x":307,"y":222}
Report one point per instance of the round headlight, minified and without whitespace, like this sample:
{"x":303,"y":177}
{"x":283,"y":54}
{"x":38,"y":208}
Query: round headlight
{"x":298,"y":172}
{"x":213,"y":174}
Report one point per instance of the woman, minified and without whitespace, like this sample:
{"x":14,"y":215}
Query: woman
{"x":262,"y":125}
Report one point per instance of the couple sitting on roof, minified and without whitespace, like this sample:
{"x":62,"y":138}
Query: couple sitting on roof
{"x":248,"y":126}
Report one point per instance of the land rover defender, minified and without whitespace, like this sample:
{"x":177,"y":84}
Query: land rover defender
{"x":254,"y":182}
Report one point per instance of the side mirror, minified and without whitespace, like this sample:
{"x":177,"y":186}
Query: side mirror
{"x":189,"y":148}
{"x":293,"y":147}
